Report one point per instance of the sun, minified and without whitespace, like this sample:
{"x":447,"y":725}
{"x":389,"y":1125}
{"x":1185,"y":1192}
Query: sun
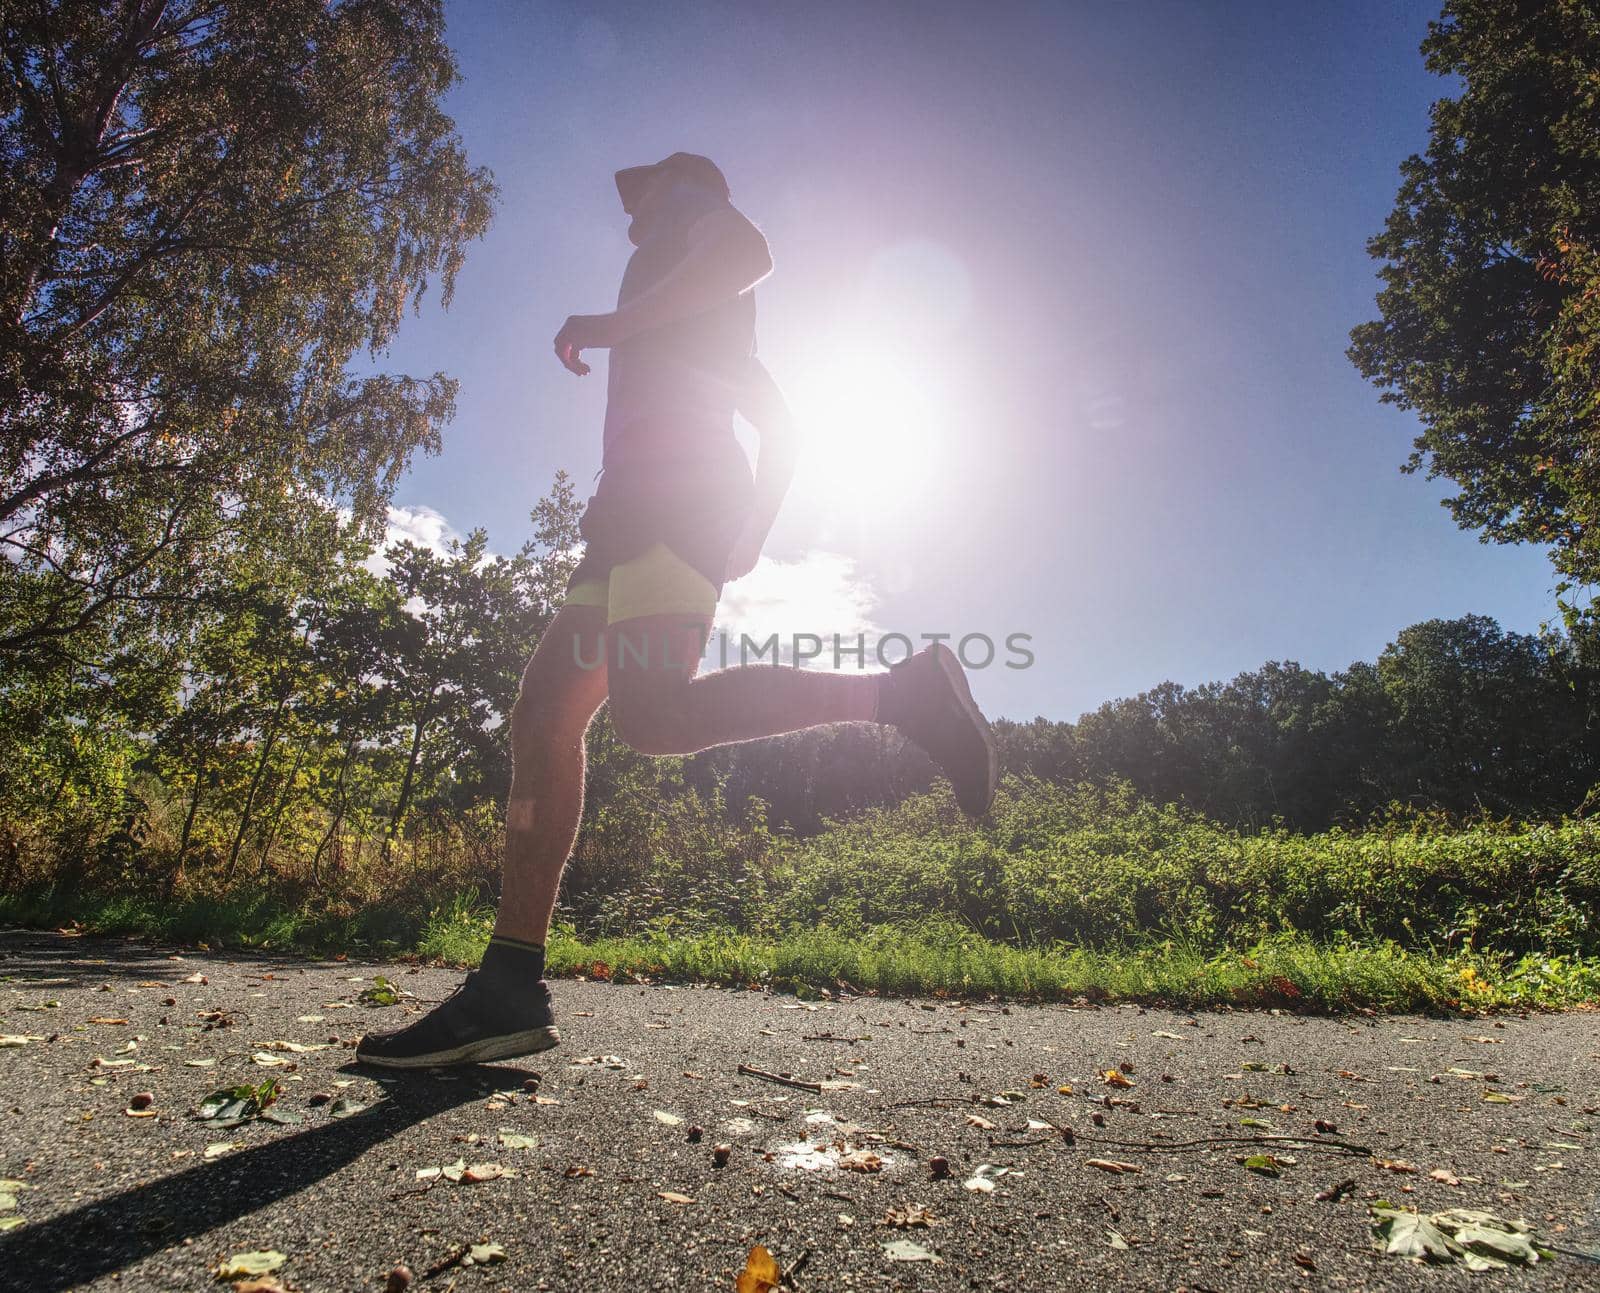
{"x":870,"y":430}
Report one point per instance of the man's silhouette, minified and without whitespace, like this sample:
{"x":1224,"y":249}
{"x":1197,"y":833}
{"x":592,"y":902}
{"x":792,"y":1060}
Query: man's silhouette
{"x":676,"y":514}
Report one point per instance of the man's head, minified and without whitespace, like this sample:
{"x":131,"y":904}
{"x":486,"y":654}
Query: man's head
{"x":642,"y":188}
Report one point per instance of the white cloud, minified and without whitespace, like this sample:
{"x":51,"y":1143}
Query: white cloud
{"x":421,"y":525}
{"x":820,"y":593}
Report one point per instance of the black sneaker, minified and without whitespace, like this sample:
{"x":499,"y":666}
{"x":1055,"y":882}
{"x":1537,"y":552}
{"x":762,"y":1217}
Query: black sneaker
{"x":926,"y":696}
{"x":474,"y":1025}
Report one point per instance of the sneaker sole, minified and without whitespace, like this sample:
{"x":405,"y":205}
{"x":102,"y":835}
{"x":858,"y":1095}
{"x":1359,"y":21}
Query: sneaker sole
{"x":505,"y":1047}
{"x":956,"y":676}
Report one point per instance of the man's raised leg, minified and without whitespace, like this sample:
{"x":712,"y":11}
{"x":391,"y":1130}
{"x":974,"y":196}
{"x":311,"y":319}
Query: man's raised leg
{"x":659,"y":706}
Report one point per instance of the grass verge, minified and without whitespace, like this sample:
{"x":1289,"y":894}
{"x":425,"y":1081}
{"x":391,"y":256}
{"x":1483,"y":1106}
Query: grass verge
{"x":937,"y":959}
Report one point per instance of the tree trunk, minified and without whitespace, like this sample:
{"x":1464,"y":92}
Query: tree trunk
{"x":403,"y":801}
{"x":188,"y":829}
{"x":267,"y":742}
{"x":338,"y":813}
{"x":277,"y":814}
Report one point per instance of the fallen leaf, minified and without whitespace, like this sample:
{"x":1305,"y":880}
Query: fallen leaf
{"x":984,"y":1176}
{"x":903,"y":1250}
{"x":515,"y":1140}
{"x":974,"y":1120}
{"x":1116,"y":1241}
{"x":1395,"y":1164}
{"x":1264,"y":1164}
{"x":218,"y":1148}
{"x":254,"y":1263}
{"x":1449,"y":1178}
{"x":485,"y":1172}
{"x":760,"y":1274}
{"x":861,"y":1160}
{"x":668,"y":1119}
{"x":905,"y":1218}
{"x":1115,"y":1077}
{"x":672,"y":1196}
{"x":484,"y":1255}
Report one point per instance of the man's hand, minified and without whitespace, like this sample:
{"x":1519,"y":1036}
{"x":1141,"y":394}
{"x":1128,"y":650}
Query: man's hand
{"x":583,"y":332}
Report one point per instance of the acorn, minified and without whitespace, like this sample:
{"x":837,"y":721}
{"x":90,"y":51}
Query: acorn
{"x":939,"y":1166}
{"x":143,"y":1100}
{"x":695,"y":1132}
{"x":399,"y":1280}
{"x":720,"y":1155}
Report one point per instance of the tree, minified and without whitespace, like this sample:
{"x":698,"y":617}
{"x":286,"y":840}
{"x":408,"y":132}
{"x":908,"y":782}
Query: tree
{"x":207,"y":207}
{"x":1490,"y":326}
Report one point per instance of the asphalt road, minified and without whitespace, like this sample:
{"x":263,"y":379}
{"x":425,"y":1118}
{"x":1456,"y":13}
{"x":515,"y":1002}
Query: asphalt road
{"x":601,"y":1154}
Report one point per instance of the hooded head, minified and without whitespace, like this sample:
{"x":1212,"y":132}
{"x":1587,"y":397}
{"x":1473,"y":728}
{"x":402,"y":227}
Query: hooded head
{"x":642,"y":188}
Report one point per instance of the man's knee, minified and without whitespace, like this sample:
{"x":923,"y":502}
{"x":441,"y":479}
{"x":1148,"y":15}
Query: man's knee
{"x":556,"y":704}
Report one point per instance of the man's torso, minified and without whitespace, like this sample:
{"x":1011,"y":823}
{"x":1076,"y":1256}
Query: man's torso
{"x":671,"y":392}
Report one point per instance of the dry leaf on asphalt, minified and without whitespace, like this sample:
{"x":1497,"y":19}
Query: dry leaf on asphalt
{"x":252,"y":1263}
{"x":760,"y":1274}
{"x":486,"y":1172}
{"x":1113,"y":1165}
{"x":903,"y":1250}
{"x":672,"y":1196}
{"x":913,"y":1214}
{"x":1115,"y":1077}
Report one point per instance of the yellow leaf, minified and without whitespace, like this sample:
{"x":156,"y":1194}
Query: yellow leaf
{"x":760,"y":1274}
{"x":1115,"y":1077}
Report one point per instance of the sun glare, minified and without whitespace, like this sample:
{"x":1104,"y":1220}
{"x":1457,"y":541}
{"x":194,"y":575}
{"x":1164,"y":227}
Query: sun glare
{"x":869,"y":428}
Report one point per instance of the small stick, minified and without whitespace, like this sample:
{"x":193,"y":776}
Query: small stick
{"x":439,"y":1268}
{"x":830,"y":1037}
{"x":932,"y":1102}
{"x":1344,"y":1145}
{"x":749,"y":1071}
{"x":799,"y":1265}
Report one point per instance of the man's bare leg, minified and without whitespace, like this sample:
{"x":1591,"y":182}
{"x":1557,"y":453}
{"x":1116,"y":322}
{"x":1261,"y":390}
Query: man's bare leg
{"x":504,"y":1008}
{"x":659,"y":707}
{"x":562,"y":687}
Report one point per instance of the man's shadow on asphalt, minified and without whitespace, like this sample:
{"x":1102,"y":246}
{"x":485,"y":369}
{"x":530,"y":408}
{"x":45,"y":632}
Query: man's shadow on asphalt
{"x":114,"y":1232}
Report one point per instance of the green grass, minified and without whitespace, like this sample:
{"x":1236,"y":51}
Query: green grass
{"x":937,"y":959}
{"x":1069,"y":892}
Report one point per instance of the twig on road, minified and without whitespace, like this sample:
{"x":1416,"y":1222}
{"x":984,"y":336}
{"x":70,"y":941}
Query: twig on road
{"x":750,"y":1071}
{"x":1343,"y":1146}
{"x":931,"y":1102}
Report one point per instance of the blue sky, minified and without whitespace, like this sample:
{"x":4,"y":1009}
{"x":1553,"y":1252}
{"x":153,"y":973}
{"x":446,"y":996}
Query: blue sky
{"x":1062,"y":295}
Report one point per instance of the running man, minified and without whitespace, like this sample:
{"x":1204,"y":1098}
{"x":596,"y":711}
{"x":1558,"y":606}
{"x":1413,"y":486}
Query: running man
{"x":676,"y":514}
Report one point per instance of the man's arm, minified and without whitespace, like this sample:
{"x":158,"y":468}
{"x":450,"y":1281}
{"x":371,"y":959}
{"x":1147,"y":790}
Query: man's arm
{"x":762,"y":404}
{"x":727,"y":255}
